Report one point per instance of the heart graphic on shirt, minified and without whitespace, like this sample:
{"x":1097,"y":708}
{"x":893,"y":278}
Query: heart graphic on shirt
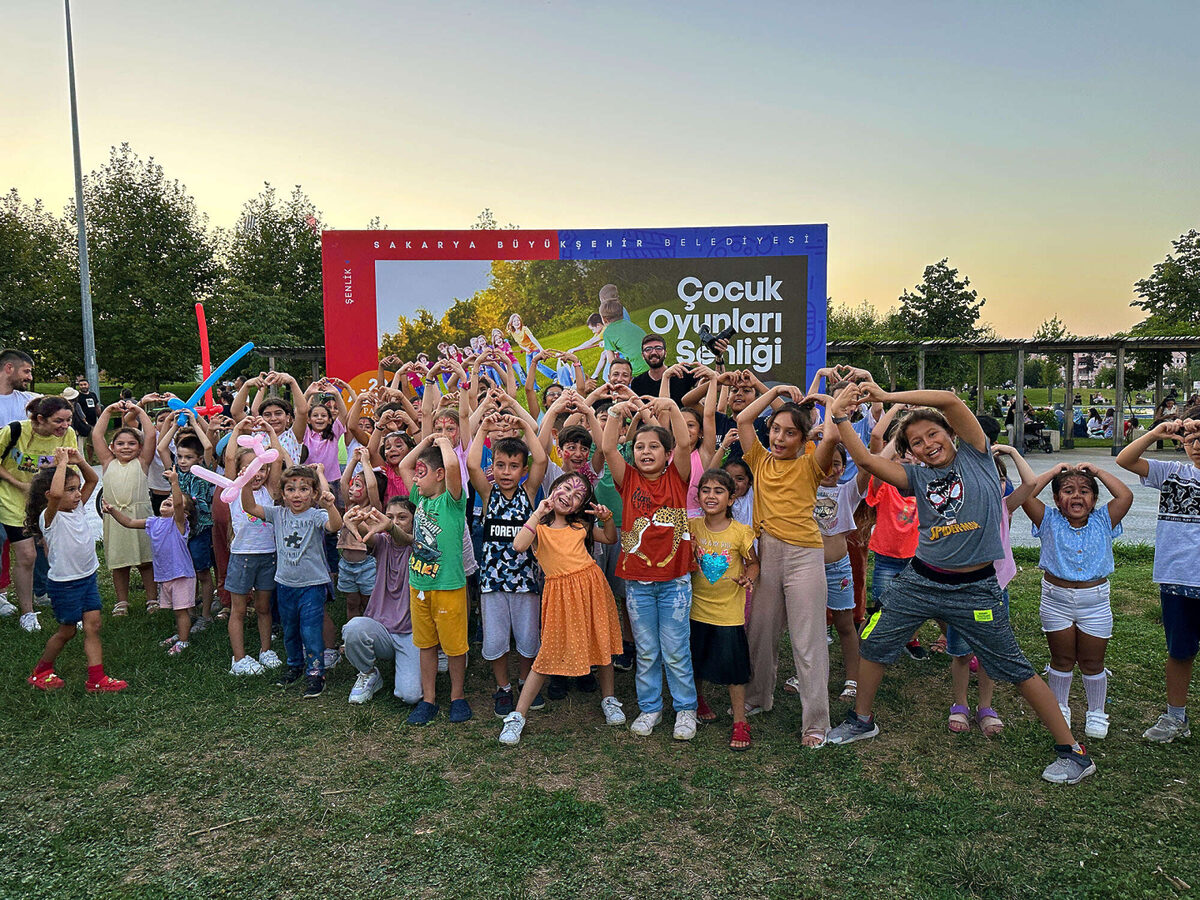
{"x":713,"y":565}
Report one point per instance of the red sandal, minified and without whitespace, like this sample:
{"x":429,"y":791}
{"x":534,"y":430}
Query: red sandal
{"x":740,"y":735}
{"x":704,"y":712}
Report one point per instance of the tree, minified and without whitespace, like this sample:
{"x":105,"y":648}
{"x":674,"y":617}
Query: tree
{"x":1052,"y":330}
{"x":942,"y":306}
{"x":1170,"y":296}
{"x":40,"y":310}
{"x":274,"y":260}
{"x":151,"y":258}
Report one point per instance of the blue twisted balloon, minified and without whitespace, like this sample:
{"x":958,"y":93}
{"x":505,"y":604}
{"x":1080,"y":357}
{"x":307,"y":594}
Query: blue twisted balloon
{"x":197,"y":396}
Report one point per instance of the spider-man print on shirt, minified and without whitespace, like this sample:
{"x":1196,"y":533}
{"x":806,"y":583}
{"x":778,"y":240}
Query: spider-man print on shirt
{"x":945,"y":495}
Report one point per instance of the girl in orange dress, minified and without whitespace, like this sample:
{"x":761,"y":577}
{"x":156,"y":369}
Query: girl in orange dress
{"x":580,"y":627}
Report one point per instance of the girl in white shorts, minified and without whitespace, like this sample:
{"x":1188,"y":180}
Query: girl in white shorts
{"x":1076,"y":560}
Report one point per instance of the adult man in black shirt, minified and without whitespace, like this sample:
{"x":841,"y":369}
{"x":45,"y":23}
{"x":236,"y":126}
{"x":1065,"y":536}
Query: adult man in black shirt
{"x":654,"y":352}
{"x":87,"y":400}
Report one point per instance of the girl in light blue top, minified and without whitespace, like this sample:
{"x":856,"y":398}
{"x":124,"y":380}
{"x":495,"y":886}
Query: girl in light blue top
{"x":1076,"y":560}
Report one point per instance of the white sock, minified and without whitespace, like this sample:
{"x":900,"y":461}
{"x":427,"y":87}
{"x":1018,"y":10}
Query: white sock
{"x":1096,"y":687}
{"x":1060,"y":685}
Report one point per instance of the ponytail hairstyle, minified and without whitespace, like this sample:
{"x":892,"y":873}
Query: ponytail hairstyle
{"x":45,"y":407}
{"x":37,"y":500}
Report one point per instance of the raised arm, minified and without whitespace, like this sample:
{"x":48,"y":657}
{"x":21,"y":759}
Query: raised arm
{"x":957,"y":413}
{"x":884,"y":469}
{"x":1033,"y":506}
{"x":454,"y":484}
{"x":178,"y":510}
{"x":1130,"y":458}
{"x":237,"y":409}
{"x":58,"y":484}
{"x":478,"y":477}
{"x":1122,"y":499}
{"x":538,"y":458}
{"x":408,"y":465}
{"x":100,"y":431}
{"x":164,"y":443}
{"x":1029,"y":480}
{"x":747,"y":436}
{"x":250,"y":504}
{"x":146,"y":457}
{"x":90,"y":478}
{"x":612,"y":431}
{"x":353,"y":416}
{"x":682,"y":459}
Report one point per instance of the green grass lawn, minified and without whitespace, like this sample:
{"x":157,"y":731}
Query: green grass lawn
{"x":99,"y":794}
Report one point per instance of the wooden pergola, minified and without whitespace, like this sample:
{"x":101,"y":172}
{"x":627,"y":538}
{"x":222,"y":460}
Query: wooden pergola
{"x":1118,"y":345}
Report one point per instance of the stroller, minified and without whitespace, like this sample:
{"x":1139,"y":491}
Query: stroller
{"x":1036,"y":438}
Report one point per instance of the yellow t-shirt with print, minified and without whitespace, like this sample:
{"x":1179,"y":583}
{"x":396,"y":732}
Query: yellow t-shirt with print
{"x":716,"y":598}
{"x":29,"y":453}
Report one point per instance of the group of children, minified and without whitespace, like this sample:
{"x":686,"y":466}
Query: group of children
{"x":717,"y":525}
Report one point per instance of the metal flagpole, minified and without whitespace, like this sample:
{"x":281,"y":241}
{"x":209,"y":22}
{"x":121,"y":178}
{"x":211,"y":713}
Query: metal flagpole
{"x":85,"y":281}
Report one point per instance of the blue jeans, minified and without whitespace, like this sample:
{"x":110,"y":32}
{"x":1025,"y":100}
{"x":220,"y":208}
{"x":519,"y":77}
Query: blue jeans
{"x":660,"y":615}
{"x":302,"y":610}
{"x":886,"y":568}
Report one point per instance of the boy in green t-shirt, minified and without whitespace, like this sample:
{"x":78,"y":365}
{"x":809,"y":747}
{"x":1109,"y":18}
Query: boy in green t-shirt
{"x":437,"y":583}
{"x":620,"y":334}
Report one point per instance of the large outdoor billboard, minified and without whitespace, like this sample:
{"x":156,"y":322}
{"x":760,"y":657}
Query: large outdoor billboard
{"x":767,"y":282}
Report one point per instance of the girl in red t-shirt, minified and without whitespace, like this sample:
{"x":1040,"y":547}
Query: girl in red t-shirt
{"x":656,"y":559}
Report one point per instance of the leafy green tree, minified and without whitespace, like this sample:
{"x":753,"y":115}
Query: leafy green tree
{"x":1170,"y":295}
{"x":943,"y":306}
{"x":1052,"y":329}
{"x":151,"y":258}
{"x":274,"y":257}
{"x":39,"y":301}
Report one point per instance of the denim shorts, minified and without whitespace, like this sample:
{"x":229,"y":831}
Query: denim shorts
{"x":1181,"y":619}
{"x":250,"y":572}
{"x":357,"y":577}
{"x":201,"y":548}
{"x":71,"y":599}
{"x":886,"y":568}
{"x":839,"y":580}
{"x":971,"y":602}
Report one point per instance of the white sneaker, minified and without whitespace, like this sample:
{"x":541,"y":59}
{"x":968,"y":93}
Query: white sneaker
{"x":514,"y":724}
{"x":247,"y":665}
{"x":199,"y":625}
{"x":365,"y":686}
{"x":829,"y":636}
{"x":332,"y":658}
{"x":29,"y":621}
{"x":443,"y":661}
{"x":269,"y":659}
{"x":685,"y":725}
{"x":6,"y":608}
{"x":613,"y":713}
{"x":1097,"y":724}
{"x":41,"y":600}
{"x":643,"y":725}
{"x":1066,"y":711}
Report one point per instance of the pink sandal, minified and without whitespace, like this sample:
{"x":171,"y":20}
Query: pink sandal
{"x":989,"y":723}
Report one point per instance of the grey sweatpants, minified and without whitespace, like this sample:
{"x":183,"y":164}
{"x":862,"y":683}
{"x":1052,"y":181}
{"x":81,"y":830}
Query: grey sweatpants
{"x":368,"y":642}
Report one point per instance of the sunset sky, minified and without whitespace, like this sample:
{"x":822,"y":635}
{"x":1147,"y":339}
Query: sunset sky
{"x":1049,"y":150}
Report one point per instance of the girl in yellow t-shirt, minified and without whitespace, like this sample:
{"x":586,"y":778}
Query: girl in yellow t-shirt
{"x":726,"y":568}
